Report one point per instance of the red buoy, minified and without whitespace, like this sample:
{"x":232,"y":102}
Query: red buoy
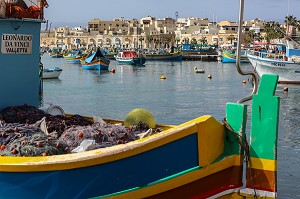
{"x":113,"y":70}
{"x":285,"y":89}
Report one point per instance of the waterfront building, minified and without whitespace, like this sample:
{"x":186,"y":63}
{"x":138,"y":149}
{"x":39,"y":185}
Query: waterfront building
{"x":147,"y":32}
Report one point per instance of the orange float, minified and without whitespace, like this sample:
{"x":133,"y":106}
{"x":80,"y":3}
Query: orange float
{"x":33,"y":12}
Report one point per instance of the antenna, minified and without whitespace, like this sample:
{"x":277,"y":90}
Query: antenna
{"x":176,"y":15}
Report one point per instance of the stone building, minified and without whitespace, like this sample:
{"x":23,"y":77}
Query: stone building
{"x":147,"y":32}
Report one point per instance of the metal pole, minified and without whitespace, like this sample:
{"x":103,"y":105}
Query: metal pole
{"x":238,"y":56}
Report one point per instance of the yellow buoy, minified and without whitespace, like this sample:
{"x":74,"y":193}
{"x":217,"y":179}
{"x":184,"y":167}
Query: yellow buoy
{"x":244,"y":82}
{"x":162,"y":77}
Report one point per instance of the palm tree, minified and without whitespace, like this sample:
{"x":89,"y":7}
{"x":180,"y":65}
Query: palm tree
{"x":157,"y":41}
{"x":290,"y":20}
{"x":272,"y":30}
{"x":141,"y":39}
{"x":298,"y":24}
{"x":203,"y":40}
{"x":194,"y":41}
{"x":177,"y":40}
{"x":251,"y":34}
{"x":149,"y":39}
{"x":231,"y":38}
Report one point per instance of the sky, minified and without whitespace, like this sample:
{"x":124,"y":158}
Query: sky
{"x":73,"y":13}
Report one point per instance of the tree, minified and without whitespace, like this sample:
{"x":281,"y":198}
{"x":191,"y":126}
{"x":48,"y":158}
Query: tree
{"x":231,"y":38}
{"x":149,"y":39}
{"x":273,"y":31}
{"x":141,"y":39}
{"x":177,"y":40}
{"x":290,"y":20}
{"x":194,"y":41}
{"x":251,"y":34}
{"x":166,"y":39}
{"x":203,"y":40}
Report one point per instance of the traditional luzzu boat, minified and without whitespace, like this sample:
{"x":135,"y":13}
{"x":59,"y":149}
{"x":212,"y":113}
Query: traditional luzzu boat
{"x":96,"y":61}
{"x":56,"y":53}
{"x":73,"y":56}
{"x":201,"y":158}
{"x":229,"y":56}
{"x":172,"y":56}
{"x":130,"y":58}
{"x":190,"y":51}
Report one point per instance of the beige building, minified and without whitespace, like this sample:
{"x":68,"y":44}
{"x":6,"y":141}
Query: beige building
{"x":116,"y":26}
{"x":147,"y":32}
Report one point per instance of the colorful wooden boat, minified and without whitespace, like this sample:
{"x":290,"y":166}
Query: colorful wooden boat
{"x":95,"y":61}
{"x":73,"y":56}
{"x":201,"y":158}
{"x":130,"y":57}
{"x":164,"y":57}
{"x":192,"y":51}
{"x":56,"y":53}
{"x":229,"y":56}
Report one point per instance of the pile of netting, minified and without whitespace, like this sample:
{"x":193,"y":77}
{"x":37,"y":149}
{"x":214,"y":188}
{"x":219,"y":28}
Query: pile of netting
{"x":28,"y":131}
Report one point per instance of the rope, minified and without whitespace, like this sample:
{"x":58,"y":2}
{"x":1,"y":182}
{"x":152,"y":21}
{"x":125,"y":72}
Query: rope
{"x":245,"y":147}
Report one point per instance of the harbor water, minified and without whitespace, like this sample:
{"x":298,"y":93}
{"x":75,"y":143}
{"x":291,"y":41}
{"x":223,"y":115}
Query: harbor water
{"x":182,"y":96}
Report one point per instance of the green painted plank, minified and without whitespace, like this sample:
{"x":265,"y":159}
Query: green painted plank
{"x":236,"y":117}
{"x":265,"y":117}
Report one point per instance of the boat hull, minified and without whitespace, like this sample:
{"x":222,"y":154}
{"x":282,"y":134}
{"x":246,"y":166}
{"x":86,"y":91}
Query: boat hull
{"x":288,"y":72}
{"x":168,"y":57}
{"x":231,"y":58}
{"x":198,"y":159}
{"x":56,"y":55}
{"x":150,"y":168}
{"x":51,"y":73}
{"x":73,"y":60}
{"x":131,"y":61}
{"x":101,"y":64}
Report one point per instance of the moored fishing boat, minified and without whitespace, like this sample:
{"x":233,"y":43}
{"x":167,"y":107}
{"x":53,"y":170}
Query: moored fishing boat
{"x":51,"y":73}
{"x":73,"y":56}
{"x":229,"y":56}
{"x":130,"y":57}
{"x":201,"y":158}
{"x":164,"y":57}
{"x":95,"y":61}
{"x":285,"y":64}
{"x":198,"y":49}
{"x":56,"y":53}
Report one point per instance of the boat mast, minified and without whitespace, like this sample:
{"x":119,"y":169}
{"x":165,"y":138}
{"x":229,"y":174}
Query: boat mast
{"x":238,"y":57}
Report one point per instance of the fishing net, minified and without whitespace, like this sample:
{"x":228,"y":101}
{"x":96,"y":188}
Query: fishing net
{"x":28,"y":131}
{"x":104,"y":135}
{"x":22,"y":114}
{"x":30,"y":115}
{"x":27,"y":140}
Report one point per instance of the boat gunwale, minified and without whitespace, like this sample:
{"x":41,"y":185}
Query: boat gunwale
{"x":102,"y":155}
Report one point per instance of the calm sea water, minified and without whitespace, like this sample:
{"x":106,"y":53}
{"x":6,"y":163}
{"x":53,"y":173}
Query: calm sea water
{"x":182,"y":96}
